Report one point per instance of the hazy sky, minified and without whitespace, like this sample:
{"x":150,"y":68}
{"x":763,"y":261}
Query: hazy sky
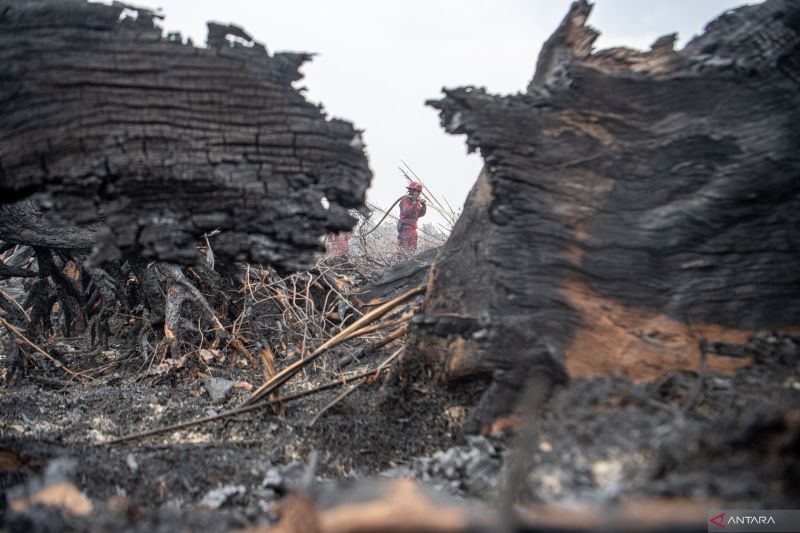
{"x":379,"y":60}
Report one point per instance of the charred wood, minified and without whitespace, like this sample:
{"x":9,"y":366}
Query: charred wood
{"x":633,"y":205}
{"x":124,"y":149}
{"x":397,"y":279}
{"x":155,"y":142}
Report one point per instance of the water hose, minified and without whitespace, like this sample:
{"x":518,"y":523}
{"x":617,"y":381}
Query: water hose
{"x":385,"y":215}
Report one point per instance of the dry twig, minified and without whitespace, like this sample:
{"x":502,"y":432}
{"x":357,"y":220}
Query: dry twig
{"x":346,"y":393}
{"x":58,"y":364}
{"x":243,"y":409}
{"x":287,"y":373}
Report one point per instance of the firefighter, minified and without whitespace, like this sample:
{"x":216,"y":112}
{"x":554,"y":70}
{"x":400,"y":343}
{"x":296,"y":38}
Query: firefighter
{"x":411,"y":208}
{"x":338,"y":243}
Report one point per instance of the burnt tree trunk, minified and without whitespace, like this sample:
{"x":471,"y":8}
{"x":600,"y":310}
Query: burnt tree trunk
{"x":633,"y":205}
{"x":121,"y":148}
{"x":157,"y":142}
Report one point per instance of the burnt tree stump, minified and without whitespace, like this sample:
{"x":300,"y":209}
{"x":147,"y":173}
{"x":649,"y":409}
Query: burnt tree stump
{"x":123,"y":151}
{"x":158,"y":141}
{"x":632,"y":206}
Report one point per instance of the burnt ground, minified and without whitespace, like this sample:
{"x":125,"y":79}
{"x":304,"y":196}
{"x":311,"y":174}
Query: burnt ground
{"x":258,"y":456}
{"x":732,"y":439}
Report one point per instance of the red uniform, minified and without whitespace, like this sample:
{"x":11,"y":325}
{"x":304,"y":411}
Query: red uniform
{"x":410,"y":211}
{"x":338,"y":243}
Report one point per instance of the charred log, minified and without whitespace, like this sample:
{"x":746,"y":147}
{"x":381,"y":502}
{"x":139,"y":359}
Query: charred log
{"x":633,"y":205}
{"x":7,"y":272}
{"x":23,"y":222}
{"x":396,"y":280}
{"x":124,"y":151}
{"x":156,"y":142}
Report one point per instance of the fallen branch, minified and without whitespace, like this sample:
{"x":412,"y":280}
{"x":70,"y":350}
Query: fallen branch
{"x":287,"y":373}
{"x":244,"y":409}
{"x":58,"y":364}
{"x":15,"y":302}
{"x":346,"y":393}
{"x":393,"y":335}
{"x":405,"y":317}
{"x":14,"y":272}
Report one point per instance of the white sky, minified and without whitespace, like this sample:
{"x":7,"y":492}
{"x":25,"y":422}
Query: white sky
{"x":379,"y":60}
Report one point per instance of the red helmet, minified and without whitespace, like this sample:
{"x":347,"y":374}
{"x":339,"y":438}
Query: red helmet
{"x":414,"y":186}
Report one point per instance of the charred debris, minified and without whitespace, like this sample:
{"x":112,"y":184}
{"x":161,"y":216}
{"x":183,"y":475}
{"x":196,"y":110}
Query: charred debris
{"x":611,"y":322}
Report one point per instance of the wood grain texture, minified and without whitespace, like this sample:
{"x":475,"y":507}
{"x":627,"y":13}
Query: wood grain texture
{"x":661,"y":184}
{"x":155,"y":141}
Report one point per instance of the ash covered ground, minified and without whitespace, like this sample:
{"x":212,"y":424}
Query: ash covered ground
{"x":721,"y":439}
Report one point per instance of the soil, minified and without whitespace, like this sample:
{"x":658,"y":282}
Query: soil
{"x":170,"y":475}
{"x":731,"y":439}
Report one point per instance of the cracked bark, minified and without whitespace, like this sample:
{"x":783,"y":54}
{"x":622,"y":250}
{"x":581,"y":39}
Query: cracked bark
{"x":631,"y":204}
{"x":156,"y":142}
{"x":122,"y":147}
